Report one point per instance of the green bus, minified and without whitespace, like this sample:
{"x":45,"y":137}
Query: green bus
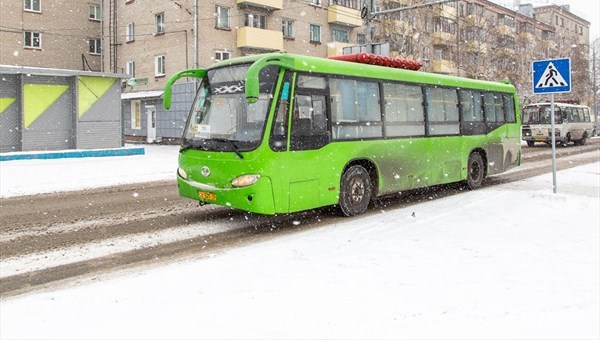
{"x":282,"y":133}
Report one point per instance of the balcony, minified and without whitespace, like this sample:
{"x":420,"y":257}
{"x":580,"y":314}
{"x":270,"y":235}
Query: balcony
{"x":266,"y":4}
{"x":443,"y":66}
{"x":251,"y":37}
{"x":445,"y":11}
{"x":346,"y":16}
{"x":336,"y":48}
{"x":474,"y":46}
{"x":506,"y":30}
{"x":443,"y":38}
{"x":526,"y":37}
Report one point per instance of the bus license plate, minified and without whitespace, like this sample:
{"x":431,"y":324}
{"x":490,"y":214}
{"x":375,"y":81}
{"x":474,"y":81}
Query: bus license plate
{"x":209,"y":196}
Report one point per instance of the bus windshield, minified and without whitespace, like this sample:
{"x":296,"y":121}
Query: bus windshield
{"x":540,"y":115}
{"x":221,"y":118}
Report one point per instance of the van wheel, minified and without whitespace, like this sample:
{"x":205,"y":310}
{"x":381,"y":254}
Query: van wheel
{"x":583,"y":139}
{"x":355,"y":191}
{"x":530,"y":143}
{"x":475,"y":171}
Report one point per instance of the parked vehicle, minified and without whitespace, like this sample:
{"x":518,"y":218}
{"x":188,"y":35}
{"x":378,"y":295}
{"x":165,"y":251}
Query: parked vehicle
{"x":572,"y":123}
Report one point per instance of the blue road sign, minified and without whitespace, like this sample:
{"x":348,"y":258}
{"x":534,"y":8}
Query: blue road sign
{"x":551,"y":76}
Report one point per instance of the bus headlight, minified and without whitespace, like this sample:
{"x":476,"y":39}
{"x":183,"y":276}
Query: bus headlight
{"x":181,"y":173}
{"x":245,"y":180}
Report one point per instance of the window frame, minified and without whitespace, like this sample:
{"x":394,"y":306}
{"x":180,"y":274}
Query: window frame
{"x":312,"y":27}
{"x":136,"y":114}
{"x":258,"y":20}
{"x":32,"y":39}
{"x":159,"y":66}
{"x":222,"y":53}
{"x":130,"y":68}
{"x":340,"y":35}
{"x":218,"y":14}
{"x":31,"y":6}
{"x":130,"y":32}
{"x":97,"y":46}
{"x":159,"y":23}
{"x":287,"y":28}
{"x":97,"y":14}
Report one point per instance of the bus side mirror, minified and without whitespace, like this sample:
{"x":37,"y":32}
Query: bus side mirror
{"x":191,"y":73}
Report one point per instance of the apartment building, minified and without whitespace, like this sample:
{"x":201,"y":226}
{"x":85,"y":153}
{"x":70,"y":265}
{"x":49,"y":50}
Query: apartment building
{"x":61,"y":34}
{"x":152,"y":39}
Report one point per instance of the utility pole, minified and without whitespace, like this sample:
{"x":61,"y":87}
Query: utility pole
{"x":594,"y":85}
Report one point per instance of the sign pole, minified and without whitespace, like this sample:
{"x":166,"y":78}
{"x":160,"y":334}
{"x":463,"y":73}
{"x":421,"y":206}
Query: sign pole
{"x":552,"y":76}
{"x":554,"y":189}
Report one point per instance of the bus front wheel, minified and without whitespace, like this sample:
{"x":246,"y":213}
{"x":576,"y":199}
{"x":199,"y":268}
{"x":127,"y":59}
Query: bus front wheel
{"x":355,"y":191}
{"x":475,"y":171}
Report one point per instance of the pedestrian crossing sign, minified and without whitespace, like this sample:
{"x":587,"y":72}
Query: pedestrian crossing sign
{"x":551,"y":76}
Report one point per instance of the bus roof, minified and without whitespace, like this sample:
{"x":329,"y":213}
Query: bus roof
{"x":331,"y":66}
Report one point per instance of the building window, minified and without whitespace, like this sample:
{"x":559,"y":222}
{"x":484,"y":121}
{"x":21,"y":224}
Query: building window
{"x":33,"y":5}
{"x":340,"y":35}
{"x":287,"y":27}
{"x":507,"y":20}
{"x":130,"y":32}
{"x":222,"y":55}
{"x":130,"y":69}
{"x":33,"y":39}
{"x":95,"y":13}
{"x":160,"y":23}
{"x":426,"y":53}
{"x":442,"y":24}
{"x":159,"y":66}
{"x":136,"y":115}
{"x":95,"y":46}
{"x":315,"y":2}
{"x":346,"y":3}
{"x":315,"y":33}
{"x":474,"y":9}
{"x":361,"y":39}
{"x":222,"y":17}
{"x":255,"y":20}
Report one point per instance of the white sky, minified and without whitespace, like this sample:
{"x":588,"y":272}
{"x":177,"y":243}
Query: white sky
{"x":513,"y":261}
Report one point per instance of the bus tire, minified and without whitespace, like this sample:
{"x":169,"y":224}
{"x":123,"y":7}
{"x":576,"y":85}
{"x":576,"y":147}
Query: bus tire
{"x":355,"y":191}
{"x":530,"y":143}
{"x":475,"y":171}
{"x":583,"y":139}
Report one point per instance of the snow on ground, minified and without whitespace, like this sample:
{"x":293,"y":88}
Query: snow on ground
{"x":509,"y":261}
{"x":34,"y":176}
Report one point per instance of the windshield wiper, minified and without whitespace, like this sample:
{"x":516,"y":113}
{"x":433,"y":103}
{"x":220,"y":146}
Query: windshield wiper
{"x":188,"y":145}
{"x":232,"y":143}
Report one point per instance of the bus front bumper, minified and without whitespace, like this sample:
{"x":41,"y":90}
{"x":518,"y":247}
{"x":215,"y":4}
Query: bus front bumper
{"x":255,"y":198}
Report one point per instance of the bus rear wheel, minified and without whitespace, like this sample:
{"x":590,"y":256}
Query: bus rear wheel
{"x":355,"y":191}
{"x":475,"y":171}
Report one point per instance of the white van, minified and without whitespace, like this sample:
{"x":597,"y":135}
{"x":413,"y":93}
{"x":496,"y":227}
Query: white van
{"x":573,"y":123}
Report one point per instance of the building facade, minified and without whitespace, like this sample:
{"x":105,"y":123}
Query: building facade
{"x":61,"y":34}
{"x":152,"y":39}
{"x":149,"y":40}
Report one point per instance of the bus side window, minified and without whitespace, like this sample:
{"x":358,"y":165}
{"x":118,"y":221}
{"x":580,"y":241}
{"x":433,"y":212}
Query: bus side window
{"x":309,"y":122}
{"x":509,"y":108}
{"x":279,"y":130}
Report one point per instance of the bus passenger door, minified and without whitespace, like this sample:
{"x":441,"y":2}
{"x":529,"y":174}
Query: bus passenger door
{"x":309,"y":134}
